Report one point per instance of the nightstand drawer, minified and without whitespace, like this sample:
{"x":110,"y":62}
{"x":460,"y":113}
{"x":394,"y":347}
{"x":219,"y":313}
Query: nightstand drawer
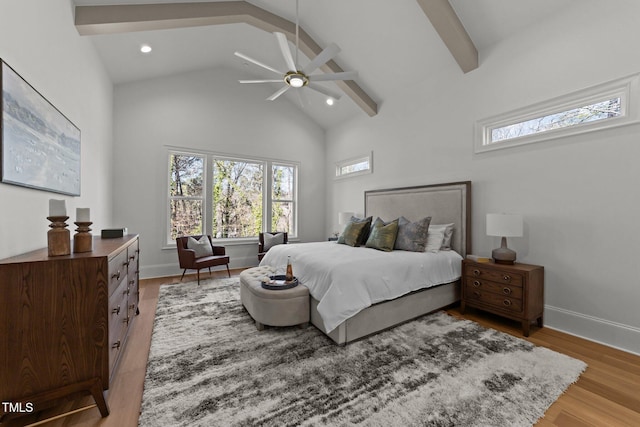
{"x":475,"y":271}
{"x":506,"y":290}
{"x":496,"y":300}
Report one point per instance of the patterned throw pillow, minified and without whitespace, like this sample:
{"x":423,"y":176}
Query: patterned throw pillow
{"x":412,"y":236}
{"x":383,"y":235}
{"x":356,"y":231}
{"x":201,"y":247}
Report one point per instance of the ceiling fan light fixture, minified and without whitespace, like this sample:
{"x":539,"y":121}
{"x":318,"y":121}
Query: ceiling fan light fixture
{"x":296,"y":79}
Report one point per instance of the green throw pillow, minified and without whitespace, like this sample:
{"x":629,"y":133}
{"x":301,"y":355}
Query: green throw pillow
{"x":356,"y":231}
{"x":383,"y":235}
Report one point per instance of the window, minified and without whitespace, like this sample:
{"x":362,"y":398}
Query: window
{"x":605,"y":106}
{"x":230,"y":198}
{"x":355,"y":166}
{"x":186,"y":194}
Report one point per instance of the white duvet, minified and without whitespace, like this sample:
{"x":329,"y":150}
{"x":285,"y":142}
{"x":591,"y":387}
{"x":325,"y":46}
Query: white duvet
{"x":345,"y":280}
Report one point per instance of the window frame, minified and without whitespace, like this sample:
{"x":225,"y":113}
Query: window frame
{"x":207,"y":214}
{"x":625,"y":88}
{"x":205,"y":189}
{"x":354,"y":161}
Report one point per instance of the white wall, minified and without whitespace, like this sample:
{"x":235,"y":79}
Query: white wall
{"x":38,"y":40}
{"x":206,"y":110}
{"x":579,"y":196}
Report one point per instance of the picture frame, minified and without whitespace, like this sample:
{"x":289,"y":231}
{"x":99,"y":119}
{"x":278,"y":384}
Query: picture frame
{"x":40,"y":146}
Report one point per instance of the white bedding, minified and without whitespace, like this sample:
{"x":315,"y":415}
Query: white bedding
{"x":346,"y":280}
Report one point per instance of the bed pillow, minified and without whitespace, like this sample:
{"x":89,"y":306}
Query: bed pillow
{"x":356,"y":232}
{"x":447,"y":230}
{"x":435,"y":238}
{"x":270,"y":240}
{"x":201,"y":247}
{"x":412,"y":236}
{"x":383,"y":235}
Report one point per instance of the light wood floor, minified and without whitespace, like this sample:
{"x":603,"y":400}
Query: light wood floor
{"x":607,"y":393}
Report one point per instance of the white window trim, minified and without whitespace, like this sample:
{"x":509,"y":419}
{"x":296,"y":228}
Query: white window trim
{"x":208,"y":184}
{"x":353,"y":161}
{"x":626,"y":88}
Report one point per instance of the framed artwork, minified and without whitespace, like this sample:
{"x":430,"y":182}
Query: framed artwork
{"x":40,"y":146}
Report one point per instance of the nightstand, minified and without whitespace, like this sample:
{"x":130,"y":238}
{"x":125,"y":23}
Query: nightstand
{"x":512,"y":291}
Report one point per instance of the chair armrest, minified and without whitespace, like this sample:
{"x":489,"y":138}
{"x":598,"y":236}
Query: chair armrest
{"x":186,"y":257}
{"x":219,"y":250}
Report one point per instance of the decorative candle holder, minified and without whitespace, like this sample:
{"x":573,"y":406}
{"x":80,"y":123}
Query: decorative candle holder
{"x":58,"y":238}
{"x":82,"y":240}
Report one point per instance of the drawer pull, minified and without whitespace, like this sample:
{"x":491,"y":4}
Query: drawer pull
{"x":116,"y":276}
{"x":506,"y":303}
{"x":116,"y":345}
{"x":125,"y":292}
{"x":132,"y":306}
{"x":116,"y":311}
{"x":476,"y":272}
{"x":476,"y":283}
{"x":126,"y":320}
{"x":132,"y":257}
{"x":476,"y":293}
{"x":506,"y":291}
{"x":132,"y":282}
{"x":506,"y":278}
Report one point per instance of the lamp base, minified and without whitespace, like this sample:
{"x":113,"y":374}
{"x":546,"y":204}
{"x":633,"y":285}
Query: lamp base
{"x":503,"y":255}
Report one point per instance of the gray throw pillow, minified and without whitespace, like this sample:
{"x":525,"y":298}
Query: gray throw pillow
{"x":201,"y":247}
{"x":412,"y":236}
{"x":270,"y":240}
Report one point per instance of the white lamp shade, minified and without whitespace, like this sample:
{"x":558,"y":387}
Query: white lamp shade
{"x":344,"y":217}
{"x":504,"y":225}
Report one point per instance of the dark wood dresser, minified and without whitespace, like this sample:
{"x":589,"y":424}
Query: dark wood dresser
{"x":513,"y":291}
{"x":64,"y":322}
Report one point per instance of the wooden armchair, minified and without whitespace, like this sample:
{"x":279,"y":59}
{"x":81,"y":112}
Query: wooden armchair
{"x":189,"y":261}
{"x":264,"y":247}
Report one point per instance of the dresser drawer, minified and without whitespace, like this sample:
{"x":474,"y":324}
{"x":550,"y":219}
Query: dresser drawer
{"x":506,"y":290}
{"x":118,"y":322}
{"x":496,"y":300}
{"x":117,"y":270}
{"x":476,"y":271}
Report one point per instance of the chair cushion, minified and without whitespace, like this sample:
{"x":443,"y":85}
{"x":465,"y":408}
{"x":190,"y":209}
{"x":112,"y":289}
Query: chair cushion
{"x":201,"y":247}
{"x":271,"y":240}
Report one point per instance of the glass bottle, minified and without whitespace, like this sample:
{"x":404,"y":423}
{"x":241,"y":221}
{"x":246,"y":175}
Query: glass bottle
{"x":289,"y":274}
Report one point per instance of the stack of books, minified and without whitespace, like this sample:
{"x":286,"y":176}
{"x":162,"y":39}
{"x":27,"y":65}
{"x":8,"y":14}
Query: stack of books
{"x":478,"y":258}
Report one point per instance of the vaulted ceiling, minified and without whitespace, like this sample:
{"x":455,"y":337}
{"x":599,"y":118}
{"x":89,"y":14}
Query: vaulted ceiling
{"x":389,"y":43}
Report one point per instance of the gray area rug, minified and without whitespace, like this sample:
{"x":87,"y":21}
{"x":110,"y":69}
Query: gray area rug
{"x":209,"y":366}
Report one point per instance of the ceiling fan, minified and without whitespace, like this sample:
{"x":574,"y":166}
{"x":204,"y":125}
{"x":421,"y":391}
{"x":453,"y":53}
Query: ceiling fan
{"x":296,"y":77}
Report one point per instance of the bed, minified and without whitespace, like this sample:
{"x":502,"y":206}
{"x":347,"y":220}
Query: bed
{"x":384,"y":289}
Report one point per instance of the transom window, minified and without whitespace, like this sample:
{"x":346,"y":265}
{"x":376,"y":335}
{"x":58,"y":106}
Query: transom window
{"x":230,"y":198}
{"x":354,"y":166}
{"x":605,"y":106}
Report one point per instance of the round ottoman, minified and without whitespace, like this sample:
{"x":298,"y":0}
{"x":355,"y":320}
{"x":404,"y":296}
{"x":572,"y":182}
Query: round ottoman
{"x":285,"y":307}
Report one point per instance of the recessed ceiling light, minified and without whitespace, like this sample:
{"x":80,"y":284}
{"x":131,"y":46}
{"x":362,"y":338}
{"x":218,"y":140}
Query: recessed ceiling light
{"x":330,"y":101}
{"x":145,"y":48}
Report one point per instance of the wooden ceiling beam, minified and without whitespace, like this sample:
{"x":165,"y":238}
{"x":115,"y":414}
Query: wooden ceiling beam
{"x":94,"y":20}
{"x":452,"y":32}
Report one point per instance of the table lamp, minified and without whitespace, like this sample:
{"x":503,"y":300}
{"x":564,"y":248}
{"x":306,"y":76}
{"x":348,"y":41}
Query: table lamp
{"x":504,"y":225}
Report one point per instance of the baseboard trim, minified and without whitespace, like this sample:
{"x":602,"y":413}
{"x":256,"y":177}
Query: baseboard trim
{"x":173,"y":269}
{"x":617,"y":335}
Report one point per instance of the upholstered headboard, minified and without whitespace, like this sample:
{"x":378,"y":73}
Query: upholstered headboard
{"x":444,"y":203}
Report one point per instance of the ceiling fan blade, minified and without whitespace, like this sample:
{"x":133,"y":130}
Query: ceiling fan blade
{"x":261,"y":81}
{"x":258,"y":63}
{"x":323,"y":90}
{"x":323,"y":57}
{"x":279,"y":92}
{"x":286,"y":52}
{"x":345,"y":75}
{"x":302,"y":97}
